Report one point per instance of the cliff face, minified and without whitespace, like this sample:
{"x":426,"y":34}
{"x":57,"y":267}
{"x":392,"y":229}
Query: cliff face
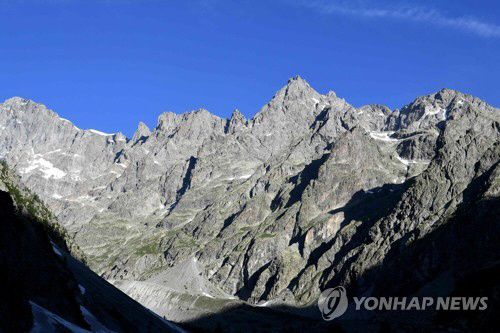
{"x":309,"y":193}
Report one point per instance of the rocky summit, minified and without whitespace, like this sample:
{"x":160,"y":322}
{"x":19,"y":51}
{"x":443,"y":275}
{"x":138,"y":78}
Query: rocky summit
{"x":203,"y":214}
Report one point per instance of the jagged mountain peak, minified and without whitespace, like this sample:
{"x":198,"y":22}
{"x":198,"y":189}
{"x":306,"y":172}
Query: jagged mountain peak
{"x":434,"y":109}
{"x":15,"y":99}
{"x":295,"y":88}
{"x":297,"y":80}
{"x":448,"y":91}
{"x":445,"y":97}
{"x":143,"y":127}
{"x":19,"y":104}
{"x":236,"y":121}
{"x":237,"y":114}
{"x":20,"y":101}
{"x":200,"y":113}
{"x":298,"y":83}
{"x":237,"y":117}
{"x":142,"y":132}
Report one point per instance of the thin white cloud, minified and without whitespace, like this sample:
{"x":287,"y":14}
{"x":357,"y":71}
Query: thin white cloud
{"x":410,"y":13}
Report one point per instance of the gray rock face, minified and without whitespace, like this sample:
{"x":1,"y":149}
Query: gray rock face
{"x":310,"y":191}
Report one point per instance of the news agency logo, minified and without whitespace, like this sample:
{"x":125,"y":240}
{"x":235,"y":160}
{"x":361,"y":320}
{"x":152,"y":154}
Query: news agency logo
{"x":333,"y":303}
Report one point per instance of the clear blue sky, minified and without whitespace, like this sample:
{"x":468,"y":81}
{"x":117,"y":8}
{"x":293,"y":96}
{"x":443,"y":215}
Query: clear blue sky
{"x":109,"y":64}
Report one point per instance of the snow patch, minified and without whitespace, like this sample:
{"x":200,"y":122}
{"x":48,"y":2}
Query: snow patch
{"x":46,"y":321}
{"x":66,"y":120}
{"x":240,"y":177}
{"x":431,"y":111}
{"x":315,"y":100}
{"x":443,"y":115}
{"x":56,"y":250}
{"x":56,"y":196}
{"x":82,"y":289}
{"x":45,"y":167}
{"x":383,"y":136}
{"x":207,"y":295}
{"x":408,"y":162}
{"x":95,"y":325}
{"x":53,"y":151}
{"x":405,"y":162}
{"x":118,"y":174}
{"x":264,"y":304}
{"x":99,"y":132}
{"x":81,"y":199}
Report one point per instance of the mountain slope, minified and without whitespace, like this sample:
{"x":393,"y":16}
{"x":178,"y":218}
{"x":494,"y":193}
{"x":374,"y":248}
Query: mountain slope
{"x":311,"y":192}
{"x":44,"y":289}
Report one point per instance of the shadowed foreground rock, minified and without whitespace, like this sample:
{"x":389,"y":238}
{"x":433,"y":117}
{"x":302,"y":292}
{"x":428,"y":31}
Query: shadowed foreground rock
{"x":44,"y":289}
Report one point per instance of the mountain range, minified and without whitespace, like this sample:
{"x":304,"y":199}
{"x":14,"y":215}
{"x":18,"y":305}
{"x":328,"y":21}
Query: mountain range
{"x":202,"y":215}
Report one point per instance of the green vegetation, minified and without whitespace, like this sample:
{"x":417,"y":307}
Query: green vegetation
{"x":32,"y":206}
{"x":186,"y":243}
{"x":150,"y":248}
{"x":211,"y":304}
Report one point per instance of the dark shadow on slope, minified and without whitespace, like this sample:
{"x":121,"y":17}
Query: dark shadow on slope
{"x":33,"y":269}
{"x":140,"y":140}
{"x":227,"y":125}
{"x":472,"y":230}
{"x":364,"y":206}
{"x":367,"y":208}
{"x":289,"y":319}
{"x":459,"y":258}
{"x":466,"y":250}
{"x":229,"y":220}
{"x":304,"y":178}
{"x":186,"y":181}
{"x":320,"y":118}
{"x":246,"y":318}
{"x":245,"y":293}
{"x":111,"y":306}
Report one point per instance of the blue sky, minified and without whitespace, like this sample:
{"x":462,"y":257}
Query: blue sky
{"x":109,"y":64}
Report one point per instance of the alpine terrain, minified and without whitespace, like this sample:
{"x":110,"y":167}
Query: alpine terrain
{"x":44,"y":289}
{"x":225,"y":223}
